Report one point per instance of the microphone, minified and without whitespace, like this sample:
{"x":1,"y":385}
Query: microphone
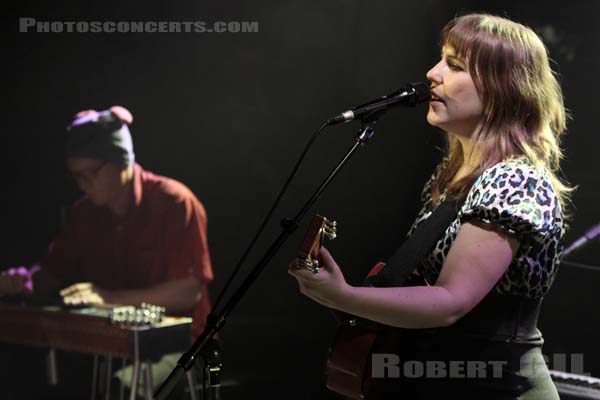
{"x":588,"y":236}
{"x":408,"y":95}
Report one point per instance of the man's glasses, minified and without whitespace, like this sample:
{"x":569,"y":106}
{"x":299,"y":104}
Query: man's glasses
{"x":87,"y":175}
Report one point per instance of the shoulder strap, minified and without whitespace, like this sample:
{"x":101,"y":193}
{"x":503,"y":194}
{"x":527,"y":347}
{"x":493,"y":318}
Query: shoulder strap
{"x":416,"y":247}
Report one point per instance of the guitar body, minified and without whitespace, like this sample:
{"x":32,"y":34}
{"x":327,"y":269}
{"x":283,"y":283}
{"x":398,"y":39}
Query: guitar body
{"x":349,"y":363}
{"x":348,"y":366}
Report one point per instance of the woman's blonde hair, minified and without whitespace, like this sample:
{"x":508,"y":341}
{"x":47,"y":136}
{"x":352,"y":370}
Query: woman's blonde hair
{"x":524,"y":114}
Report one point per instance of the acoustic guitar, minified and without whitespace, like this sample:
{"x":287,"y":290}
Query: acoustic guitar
{"x":348,"y":366}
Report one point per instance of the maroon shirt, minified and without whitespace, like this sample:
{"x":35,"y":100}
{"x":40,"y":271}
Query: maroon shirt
{"x":161,"y":238}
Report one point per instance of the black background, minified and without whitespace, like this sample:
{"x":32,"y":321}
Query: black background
{"x":228,"y":113}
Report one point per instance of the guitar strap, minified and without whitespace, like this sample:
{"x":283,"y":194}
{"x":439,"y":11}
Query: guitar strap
{"x":515,"y":318}
{"x":408,"y":256}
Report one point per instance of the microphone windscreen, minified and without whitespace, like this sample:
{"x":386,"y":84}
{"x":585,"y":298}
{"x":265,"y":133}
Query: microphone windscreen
{"x":422,"y":92}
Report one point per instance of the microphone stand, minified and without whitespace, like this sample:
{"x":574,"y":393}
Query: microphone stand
{"x":216,"y":320}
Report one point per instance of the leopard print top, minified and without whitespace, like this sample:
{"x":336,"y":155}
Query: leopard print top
{"x":518,"y":198}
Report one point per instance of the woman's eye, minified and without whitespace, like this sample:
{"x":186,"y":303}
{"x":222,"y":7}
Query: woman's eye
{"x":454,"y":66}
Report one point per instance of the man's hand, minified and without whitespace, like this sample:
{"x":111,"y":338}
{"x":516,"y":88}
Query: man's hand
{"x":12,"y":284}
{"x":17,"y":280}
{"x":84,"y":293}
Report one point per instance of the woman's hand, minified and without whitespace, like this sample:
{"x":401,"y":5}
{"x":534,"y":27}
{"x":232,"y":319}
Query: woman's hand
{"x":326,"y":287}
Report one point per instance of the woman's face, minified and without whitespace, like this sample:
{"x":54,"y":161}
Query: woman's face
{"x":455,"y":106}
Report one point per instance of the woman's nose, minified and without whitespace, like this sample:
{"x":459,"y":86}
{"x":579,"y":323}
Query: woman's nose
{"x":434,"y":75}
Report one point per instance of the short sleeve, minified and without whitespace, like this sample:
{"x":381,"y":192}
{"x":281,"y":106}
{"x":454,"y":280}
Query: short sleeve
{"x":187,"y":247}
{"x":516,"y":197}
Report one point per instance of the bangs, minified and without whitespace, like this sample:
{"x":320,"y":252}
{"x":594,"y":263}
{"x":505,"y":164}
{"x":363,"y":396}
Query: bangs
{"x":463,"y":37}
{"x":490,"y":37}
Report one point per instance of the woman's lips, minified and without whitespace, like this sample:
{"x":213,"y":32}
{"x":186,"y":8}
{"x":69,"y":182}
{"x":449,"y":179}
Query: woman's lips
{"x":434,"y":98}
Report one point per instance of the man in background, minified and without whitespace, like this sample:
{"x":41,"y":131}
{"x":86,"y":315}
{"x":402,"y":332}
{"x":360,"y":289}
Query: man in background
{"x":134,"y":237}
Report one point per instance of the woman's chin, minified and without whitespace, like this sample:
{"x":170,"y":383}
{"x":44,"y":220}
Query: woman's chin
{"x":433,"y":119}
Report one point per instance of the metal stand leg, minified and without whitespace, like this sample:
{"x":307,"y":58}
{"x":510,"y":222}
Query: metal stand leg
{"x":148,"y":385}
{"x":51,"y":367}
{"x":122,"y":386}
{"x":108,"y":376}
{"x":94,"y":378}
{"x":135,"y":371}
{"x":135,"y":367}
{"x":191,"y":384}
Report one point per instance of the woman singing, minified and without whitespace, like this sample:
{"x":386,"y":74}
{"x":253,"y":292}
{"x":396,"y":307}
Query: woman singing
{"x":472,"y":301}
